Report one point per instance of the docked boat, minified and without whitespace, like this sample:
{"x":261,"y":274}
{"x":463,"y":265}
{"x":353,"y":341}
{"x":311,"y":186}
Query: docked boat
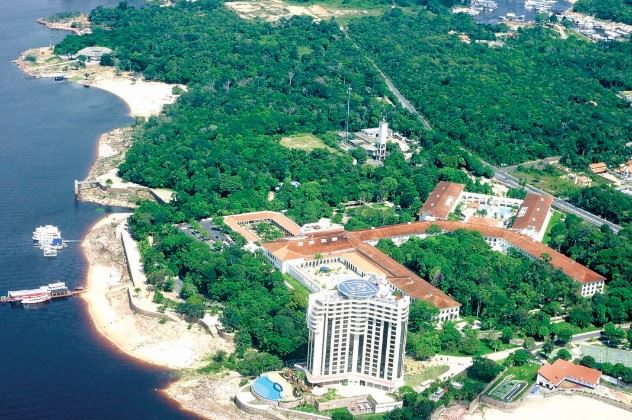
{"x":49,"y":251}
{"x":44,"y":293}
{"x":47,"y":233}
{"x":58,"y":289}
{"x":20,"y":295}
{"x":35,"y":300}
{"x":40,"y":295}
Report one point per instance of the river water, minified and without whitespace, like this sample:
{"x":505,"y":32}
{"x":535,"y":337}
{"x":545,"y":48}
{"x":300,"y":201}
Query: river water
{"x":52,"y":363}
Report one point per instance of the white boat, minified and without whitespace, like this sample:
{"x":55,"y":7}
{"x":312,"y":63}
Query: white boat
{"x":49,"y":251}
{"x":47,"y":233}
{"x":34,"y":300}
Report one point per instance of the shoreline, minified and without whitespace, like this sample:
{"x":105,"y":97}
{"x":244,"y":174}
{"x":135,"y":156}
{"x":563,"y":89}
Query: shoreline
{"x":144,"y":98}
{"x":172,"y":345}
{"x":81,"y":22}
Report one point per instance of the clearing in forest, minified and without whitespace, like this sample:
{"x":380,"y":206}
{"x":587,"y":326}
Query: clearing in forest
{"x":274,"y":10}
{"x":307,"y":142}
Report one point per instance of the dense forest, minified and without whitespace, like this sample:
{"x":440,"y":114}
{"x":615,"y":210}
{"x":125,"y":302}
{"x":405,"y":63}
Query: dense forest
{"x":513,"y":294}
{"x":498,"y":289}
{"x":534,"y":96}
{"x":218,"y":146}
{"x":616,"y":10}
{"x":253,"y":299}
{"x":606,"y":202}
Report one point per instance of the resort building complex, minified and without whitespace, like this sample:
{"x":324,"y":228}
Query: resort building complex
{"x":358,"y":307}
{"x":529,"y":216}
{"x":357,"y":334}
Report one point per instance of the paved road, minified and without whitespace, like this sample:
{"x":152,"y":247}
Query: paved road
{"x":400,"y":98}
{"x":505,"y":178}
{"x":511,"y":181}
{"x":501,"y":175}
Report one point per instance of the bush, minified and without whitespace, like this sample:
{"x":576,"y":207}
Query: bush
{"x":255,"y":363}
{"x":564,"y":354}
{"x":588,"y":361}
{"x":521,"y":357}
{"x":193,"y":307}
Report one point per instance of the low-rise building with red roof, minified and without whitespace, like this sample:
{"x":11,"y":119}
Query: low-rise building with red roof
{"x":553,"y":376}
{"x":441,"y":202}
{"x":534,"y":215}
{"x":598,"y":168}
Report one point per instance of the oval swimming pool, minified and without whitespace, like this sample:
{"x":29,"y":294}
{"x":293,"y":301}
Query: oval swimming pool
{"x":267,"y":389}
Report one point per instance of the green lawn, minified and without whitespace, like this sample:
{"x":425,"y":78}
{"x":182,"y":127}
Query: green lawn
{"x":301,"y":291}
{"x":483,"y":349}
{"x":307,"y":142}
{"x":527,"y":372}
{"x":547,"y":178}
{"x":431,"y":372}
{"x":555,"y":219}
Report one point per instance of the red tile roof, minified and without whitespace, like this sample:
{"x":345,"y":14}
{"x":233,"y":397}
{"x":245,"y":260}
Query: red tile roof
{"x":307,"y":247}
{"x":405,"y":280}
{"x":533,"y":211}
{"x":339,"y":244}
{"x":236,"y":221}
{"x":571,"y":268}
{"x":598,"y":168}
{"x":561,"y":370}
{"x":440,"y":201}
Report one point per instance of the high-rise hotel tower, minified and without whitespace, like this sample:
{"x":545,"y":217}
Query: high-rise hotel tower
{"x":357,"y":333}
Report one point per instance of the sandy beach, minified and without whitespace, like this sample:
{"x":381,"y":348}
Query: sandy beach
{"x":144,"y":98}
{"x":173,"y":344}
{"x":559,"y":407}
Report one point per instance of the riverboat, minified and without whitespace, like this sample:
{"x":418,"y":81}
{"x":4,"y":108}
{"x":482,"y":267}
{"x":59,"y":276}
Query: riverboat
{"x":46,"y":233}
{"x":35,"y":300}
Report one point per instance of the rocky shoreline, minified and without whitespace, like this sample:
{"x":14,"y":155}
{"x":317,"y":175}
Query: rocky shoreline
{"x":78,"y":25}
{"x":173,"y":344}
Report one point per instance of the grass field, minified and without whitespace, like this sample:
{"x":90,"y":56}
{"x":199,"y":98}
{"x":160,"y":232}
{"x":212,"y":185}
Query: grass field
{"x":483,"y":349}
{"x":547,"y":178}
{"x":431,"y":372}
{"x":555,"y":219}
{"x":307,"y":142}
{"x":301,"y":291}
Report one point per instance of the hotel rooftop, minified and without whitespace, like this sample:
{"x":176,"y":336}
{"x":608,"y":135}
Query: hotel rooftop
{"x":310,"y":257}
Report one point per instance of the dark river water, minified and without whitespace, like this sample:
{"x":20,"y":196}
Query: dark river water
{"x":52,"y":363}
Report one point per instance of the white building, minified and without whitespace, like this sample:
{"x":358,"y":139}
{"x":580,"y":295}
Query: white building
{"x":357,"y":334}
{"x":375,"y":140}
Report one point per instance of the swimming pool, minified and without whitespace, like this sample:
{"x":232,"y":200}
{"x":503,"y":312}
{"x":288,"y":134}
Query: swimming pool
{"x":267,"y":389}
